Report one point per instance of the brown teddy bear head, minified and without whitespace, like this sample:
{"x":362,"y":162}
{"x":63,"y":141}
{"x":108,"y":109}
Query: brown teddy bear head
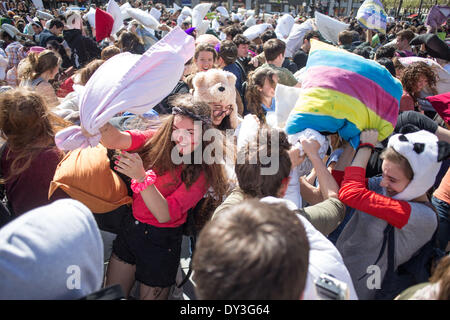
{"x":215,"y":86}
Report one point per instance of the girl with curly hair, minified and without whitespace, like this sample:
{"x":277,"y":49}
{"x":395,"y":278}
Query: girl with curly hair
{"x":416,"y":77}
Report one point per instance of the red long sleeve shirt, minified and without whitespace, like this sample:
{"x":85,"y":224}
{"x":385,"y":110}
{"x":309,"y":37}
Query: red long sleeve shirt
{"x":355,"y":194}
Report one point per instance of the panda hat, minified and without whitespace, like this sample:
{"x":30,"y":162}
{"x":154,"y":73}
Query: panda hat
{"x":425,"y":154}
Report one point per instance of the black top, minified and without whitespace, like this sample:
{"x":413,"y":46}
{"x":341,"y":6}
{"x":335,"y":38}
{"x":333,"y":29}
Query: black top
{"x":300,"y":58}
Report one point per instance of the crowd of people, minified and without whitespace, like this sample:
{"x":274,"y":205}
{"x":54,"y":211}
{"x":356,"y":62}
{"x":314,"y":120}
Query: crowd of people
{"x":115,"y":207}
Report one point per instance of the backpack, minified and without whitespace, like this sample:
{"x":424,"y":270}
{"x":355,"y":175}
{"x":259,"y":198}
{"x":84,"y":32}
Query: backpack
{"x":417,"y":269}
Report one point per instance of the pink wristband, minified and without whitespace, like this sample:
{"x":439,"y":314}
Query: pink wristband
{"x":150,"y":178}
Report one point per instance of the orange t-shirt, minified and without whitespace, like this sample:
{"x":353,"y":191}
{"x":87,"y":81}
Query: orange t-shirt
{"x":443,"y":192}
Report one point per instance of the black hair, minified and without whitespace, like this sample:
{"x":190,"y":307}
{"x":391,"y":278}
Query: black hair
{"x":57,"y":23}
{"x":385,"y":52}
{"x":312,"y":34}
{"x":388,"y":64}
{"x":267,"y":35}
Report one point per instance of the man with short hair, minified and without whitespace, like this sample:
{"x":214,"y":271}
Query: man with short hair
{"x":255,"y":251}
{"x":242,"y":43}
{"x":300,"y":57}
{"x":403,"y":47}
{"x":345,"y":39}
{"x":226,"y":60}
{"x":243,"y":60}
{"x":274,"y":53}
{"x":37,"y":30}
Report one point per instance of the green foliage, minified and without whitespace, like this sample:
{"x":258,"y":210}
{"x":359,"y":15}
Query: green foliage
{"x":409,"y":4}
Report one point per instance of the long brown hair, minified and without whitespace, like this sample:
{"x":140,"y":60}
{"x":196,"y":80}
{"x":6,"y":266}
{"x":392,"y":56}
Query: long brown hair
{"x":253,"y":95}
{"x":412,"y":74}
{"x":28,"y":127}
{"x":156,"y":153}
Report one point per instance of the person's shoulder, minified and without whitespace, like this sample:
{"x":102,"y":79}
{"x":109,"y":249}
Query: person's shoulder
{"x":423,"y":209}
{"x":49,"y":156}
{"x":43,"y":84}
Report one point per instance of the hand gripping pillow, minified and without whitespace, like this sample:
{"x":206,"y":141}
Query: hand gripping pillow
{"x":345,"y":93}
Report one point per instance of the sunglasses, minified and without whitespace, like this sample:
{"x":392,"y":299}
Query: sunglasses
{"x":219,"y":112}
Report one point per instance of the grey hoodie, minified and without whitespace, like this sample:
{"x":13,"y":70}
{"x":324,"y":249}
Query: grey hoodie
{"x":52,"y":252}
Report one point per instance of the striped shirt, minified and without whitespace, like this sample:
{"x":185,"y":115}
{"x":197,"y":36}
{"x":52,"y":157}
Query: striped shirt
{"x":14,"y":53}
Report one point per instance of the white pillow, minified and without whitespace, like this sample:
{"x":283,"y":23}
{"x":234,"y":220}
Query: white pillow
{"x":328,"y":27}
{"x":285,"y":99}
{"x":284,"y":26}
{"x":114,"y":10}
{"x":199,"y":13}
{"x":143,"y":17}
{"x":255,"y":31}
{"x":295,"y":39}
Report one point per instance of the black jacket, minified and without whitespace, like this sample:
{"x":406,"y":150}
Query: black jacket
{"x":84,"y":49}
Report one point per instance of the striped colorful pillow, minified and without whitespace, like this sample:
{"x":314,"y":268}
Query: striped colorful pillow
{"x":345,"y":93}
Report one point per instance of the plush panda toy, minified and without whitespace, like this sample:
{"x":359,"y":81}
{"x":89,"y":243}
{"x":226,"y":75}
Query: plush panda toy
{"x":425,"y":155}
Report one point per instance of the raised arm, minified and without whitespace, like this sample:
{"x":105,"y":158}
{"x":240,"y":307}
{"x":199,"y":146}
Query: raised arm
{"x":163,"y":209}
{"x":355,"y":193}
{"x":328,"y":186}
{"x":131,"y":165}
{"x":113,"y":138}
{"x":344,"y":161}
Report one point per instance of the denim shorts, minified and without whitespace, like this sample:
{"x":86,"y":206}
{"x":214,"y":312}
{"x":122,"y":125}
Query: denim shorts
{"x":155,"y":251}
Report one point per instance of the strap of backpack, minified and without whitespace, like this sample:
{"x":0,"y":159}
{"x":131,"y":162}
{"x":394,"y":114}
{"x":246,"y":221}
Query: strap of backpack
{"x":386,"y":241}
{"x":391,"y":240}
{"x":391,"y":249}
{"x":2,"y":151}
{"x":188,"y":275}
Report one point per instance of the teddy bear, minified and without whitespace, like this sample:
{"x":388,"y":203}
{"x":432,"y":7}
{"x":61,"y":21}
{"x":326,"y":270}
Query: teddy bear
{"x":217,"y":86}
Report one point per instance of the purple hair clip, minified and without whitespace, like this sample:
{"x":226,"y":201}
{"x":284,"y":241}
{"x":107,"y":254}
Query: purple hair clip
{"x":253,"y":54}
{"x":217,"y":47}
{"x":189,"y":31}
